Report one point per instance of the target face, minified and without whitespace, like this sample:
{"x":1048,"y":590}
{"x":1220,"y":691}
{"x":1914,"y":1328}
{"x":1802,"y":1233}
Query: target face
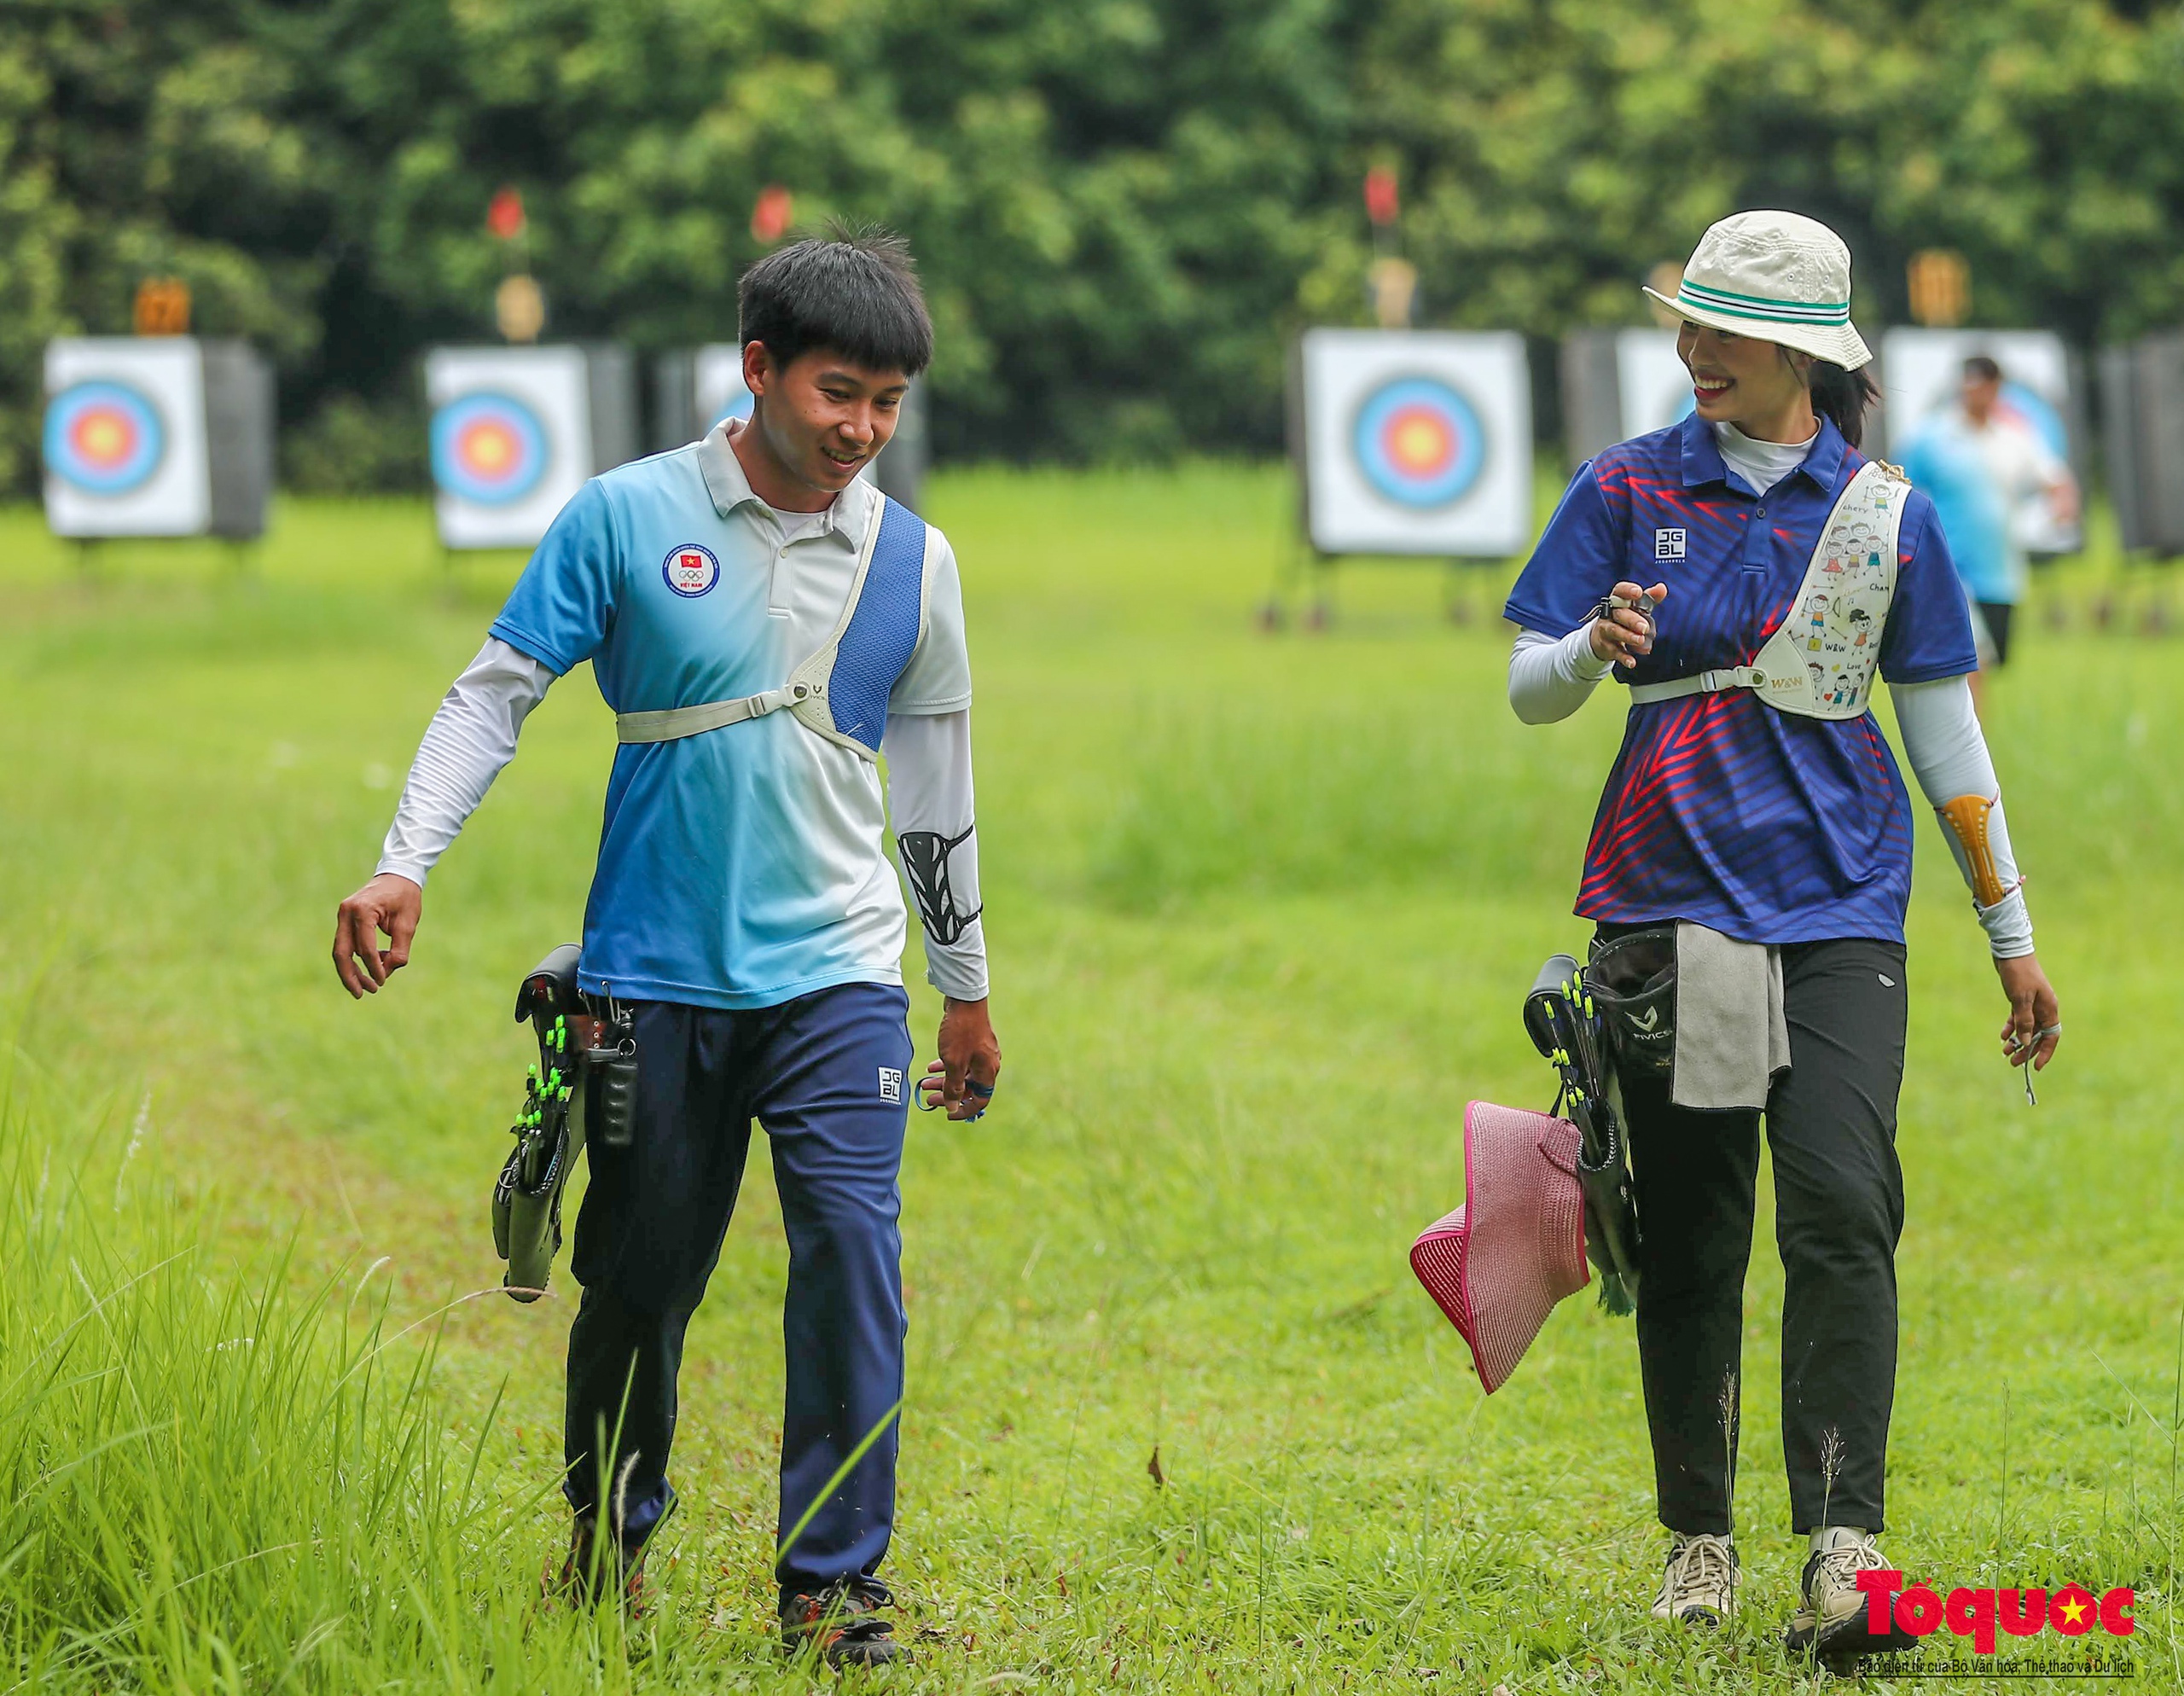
{"x":490,"y":448}
{"x":1420,"y":443}
{"x":104,"y":438}
{"x":1415,"y":442}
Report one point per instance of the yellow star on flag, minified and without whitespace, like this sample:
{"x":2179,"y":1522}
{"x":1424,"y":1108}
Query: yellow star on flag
{"x":2074,"y":1611}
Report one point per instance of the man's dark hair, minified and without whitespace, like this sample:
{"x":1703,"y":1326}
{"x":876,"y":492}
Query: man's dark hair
{"x":1982,"y":370}
{"x":853,"y":290}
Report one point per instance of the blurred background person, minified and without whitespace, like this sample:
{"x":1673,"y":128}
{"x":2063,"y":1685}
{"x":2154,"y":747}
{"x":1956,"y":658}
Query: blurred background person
{"x":1980,"y":463}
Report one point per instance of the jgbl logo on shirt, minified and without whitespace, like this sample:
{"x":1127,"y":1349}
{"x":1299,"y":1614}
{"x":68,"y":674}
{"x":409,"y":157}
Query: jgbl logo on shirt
{"x":1668,"y":544}
{"x":891,"y":1083}
{"x":690,"y":570}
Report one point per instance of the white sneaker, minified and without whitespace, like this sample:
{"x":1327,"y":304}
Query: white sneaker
{"x":1832,"y":1622}
{"x":1700,"y":1585}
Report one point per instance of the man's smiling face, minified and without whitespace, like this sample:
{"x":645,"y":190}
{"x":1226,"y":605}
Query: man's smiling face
{"x":822,"y":415}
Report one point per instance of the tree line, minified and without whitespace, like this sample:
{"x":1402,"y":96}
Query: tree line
{"x":1122,"y":208}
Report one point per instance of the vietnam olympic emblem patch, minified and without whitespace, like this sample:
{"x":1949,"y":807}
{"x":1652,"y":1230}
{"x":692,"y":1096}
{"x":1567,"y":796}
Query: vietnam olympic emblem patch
{"x":690,"y":570}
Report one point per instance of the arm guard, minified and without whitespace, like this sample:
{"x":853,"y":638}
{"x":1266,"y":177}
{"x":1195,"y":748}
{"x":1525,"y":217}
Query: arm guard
{"x":1969,"y":818}
{"x":925,"y":862}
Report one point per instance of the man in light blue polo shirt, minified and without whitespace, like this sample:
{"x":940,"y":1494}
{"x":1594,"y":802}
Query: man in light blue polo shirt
{"x":762,"y":621}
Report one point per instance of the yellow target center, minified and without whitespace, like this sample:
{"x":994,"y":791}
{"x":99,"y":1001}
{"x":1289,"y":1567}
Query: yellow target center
{"x":103,"y":436}
{"x":1420,"y":442}
{"x":490,"y":450}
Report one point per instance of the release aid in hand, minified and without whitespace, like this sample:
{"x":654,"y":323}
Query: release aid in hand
{"x":1643,"y":607}
{"x":930,"y":1091}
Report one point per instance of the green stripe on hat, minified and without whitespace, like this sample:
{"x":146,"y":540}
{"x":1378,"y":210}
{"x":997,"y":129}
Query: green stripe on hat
{"x":1773,"y":312}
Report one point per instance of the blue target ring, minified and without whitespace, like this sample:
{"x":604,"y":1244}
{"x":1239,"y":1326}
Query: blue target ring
{"x":1420,"y":443}
{"x":104,"y":438}
{"x":489,"y":449}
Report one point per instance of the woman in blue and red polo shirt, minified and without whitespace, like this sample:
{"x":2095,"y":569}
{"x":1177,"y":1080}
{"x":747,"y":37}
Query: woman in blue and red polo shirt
{"x":1776,"y":831}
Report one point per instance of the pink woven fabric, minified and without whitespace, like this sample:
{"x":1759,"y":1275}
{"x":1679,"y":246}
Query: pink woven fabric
{"x":1498,"y":1265}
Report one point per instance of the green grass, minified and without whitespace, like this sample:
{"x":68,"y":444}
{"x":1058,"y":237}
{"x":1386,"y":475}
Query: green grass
{"x":1261,"y":911}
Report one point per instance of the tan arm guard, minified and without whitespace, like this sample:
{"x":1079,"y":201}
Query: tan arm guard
{"x":1967,"y":818}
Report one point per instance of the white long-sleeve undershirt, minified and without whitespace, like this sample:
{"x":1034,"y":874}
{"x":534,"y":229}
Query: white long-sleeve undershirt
{"x":472,"y":737}
{"x":1550,"y":677}
{"x":929,"y":788}
{"x":1948,"y":754}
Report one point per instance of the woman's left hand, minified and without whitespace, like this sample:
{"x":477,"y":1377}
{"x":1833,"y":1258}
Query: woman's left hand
{"x":2036,"y":1021}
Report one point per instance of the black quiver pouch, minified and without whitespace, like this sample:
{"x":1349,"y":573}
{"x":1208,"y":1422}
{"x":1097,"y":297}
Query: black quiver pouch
{"x":1565,"y":1026}
{"x":585,"y":1085}
{"x":1632,"y":981}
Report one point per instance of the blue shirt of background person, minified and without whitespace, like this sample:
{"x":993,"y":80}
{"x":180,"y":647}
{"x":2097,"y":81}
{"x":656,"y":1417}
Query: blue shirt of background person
{"x":1764,"y":826}
{"x":1948,"y":464}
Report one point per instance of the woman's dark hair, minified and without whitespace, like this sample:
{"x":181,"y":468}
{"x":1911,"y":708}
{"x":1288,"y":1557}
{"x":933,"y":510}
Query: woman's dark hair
{"x":855,"y":292}
{"x":1844,"y":397}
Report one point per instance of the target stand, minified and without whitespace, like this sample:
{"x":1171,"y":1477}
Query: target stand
{"x":156,"y":436}
{"x":517,"y":431}
{"x":1406,"y":443}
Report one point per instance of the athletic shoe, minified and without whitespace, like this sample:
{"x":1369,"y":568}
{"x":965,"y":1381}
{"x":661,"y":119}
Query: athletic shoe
{"x":592,"y":1571}
{"x":1700,"y":1585}
{"x":842,"y":1621}
{"x":1832,"y":1624}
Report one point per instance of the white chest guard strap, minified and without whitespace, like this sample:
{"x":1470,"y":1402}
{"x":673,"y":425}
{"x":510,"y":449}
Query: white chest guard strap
{"x":840,"y":693}
{"x":1819,"y":663}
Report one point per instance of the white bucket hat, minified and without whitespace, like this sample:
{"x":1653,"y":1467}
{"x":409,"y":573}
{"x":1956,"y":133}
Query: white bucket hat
{"x":1777,"y":277}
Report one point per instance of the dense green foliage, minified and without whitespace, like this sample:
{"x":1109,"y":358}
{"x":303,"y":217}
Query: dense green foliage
{"x":1260,"y":908}
{"x":1122,"y":206}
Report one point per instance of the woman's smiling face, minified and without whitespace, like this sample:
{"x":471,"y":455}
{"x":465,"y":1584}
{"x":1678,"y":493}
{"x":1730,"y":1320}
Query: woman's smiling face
{"x":1737,"y":378}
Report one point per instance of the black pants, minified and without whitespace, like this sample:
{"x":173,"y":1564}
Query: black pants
{"x":828,"y":1076}
{"x":1838,"y":1200}
{"x":1997,"y":615}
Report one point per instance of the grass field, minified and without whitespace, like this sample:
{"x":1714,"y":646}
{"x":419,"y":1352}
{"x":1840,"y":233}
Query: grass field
{"x":1261,"y":911}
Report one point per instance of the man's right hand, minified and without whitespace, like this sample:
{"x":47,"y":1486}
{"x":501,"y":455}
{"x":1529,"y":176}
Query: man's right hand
{"x":391,"y":904}
{"x":1625,"y":635}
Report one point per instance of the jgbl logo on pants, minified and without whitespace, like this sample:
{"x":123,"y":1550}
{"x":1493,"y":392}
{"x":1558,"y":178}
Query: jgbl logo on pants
{"x":1921,"y":1611}
{"x":891,"y":1083}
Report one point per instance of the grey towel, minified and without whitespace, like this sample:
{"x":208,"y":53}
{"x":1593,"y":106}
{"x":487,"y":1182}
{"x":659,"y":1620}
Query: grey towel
{"x":1730,"y":1036}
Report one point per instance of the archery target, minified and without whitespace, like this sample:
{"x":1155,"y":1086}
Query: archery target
{"x":1417,"y":442}
{"x":511,"y":440}
{"x":1654,"y":385}
{"x":103,"y":436}
{"x":1420,"y":442}
{"x":490,"y":448}
{"x":717,"y":386}
{"x":1920,"y":371}
{"x":124,"y":440}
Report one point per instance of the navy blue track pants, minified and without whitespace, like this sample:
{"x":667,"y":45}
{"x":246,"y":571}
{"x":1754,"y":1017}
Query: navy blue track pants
{"x":827,"y":1075}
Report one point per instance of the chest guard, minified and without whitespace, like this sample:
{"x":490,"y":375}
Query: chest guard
{"x":841,"y":691}
{"x":1820,"y":662}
